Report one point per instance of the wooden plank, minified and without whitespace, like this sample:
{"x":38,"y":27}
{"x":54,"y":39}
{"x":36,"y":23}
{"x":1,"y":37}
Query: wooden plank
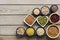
{"x":20,"y":9}
{"x":17,"y":9}
{"x":24,"y":38}
{"x":15,"y":38}
{"x":11,"y":30}
{"x":9,"y":33}
{"x":29,"y":2}
{"x":12,"y":20}
{"x":8,"y":30}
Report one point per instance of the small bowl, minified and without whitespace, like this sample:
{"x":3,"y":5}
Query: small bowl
{"x":19,"y":34}
{"x":29,"y":20}
{"x":39,"y":35}
{"x":55,"y":16}
{"x":45,"y":10}
{"x":51,"y":36}
{"x":37,"y":12}
{"x":30,"y":32}
{"x":39,"y":23}
{"x":53,"y":8}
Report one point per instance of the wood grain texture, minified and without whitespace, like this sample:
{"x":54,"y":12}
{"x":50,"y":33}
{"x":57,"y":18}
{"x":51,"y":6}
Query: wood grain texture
{"x":12,"y":16}
{"x":11,"y":20}
{"x":15,"y":38}
{"x":21,"y":9}
{"x":29,"y":2}
{"x":11,"y":30}
{"x":24,"y":38}
{"x":14,"y":12}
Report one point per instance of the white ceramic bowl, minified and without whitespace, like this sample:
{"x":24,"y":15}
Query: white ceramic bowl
{"x":57,"y":34}
{"x":27,"y":23}
{"x":39,"y":23}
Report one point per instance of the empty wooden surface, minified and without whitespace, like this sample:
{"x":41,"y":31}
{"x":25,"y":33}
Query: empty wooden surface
{"x":29,"y":1}
{"x":13,"y":12}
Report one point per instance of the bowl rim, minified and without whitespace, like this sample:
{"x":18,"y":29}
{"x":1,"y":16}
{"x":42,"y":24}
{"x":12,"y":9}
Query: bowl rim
{"x":42,"y":12}
{"x":32,"y":23}
{"x":39,"y":23}
{"x":20,"y":34}
{"x":57,"y":34}
{"x":31,"y":35}
{"x":43,"y":33}
{"x":52,"y":6}
{"x":53,"y":22}
{"x":34,"y":13}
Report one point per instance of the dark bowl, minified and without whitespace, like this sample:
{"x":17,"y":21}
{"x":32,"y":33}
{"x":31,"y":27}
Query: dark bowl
{"x":40,"y":35}
{"x":53,"y":11}
{"x":34,"y":14}
{"x":19,"y":35}
{"x":32,"y":35}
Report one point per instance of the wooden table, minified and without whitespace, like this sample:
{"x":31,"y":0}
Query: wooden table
{"x":12,"y":14}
